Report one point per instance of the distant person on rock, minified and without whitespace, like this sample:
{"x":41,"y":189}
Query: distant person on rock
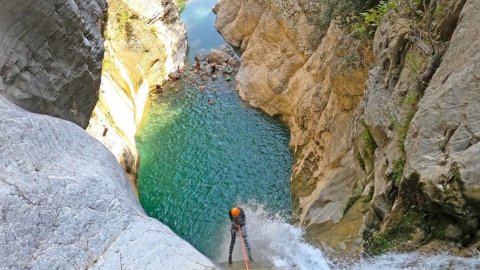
{"x":176,"y":74}
{"x":197,"y":65}
{"x":214,"y":68}
{"x":238,"y":220}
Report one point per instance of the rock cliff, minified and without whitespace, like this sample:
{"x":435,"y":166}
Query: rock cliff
{"x":366,"y":176}
{"x":66,"y":202}
{"x":52,"y":56}
{"x":145,"y":41}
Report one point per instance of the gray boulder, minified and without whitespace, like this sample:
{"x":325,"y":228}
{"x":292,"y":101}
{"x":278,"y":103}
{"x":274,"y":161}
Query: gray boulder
{"x":66,"y":204}
{"x":51,"y":55}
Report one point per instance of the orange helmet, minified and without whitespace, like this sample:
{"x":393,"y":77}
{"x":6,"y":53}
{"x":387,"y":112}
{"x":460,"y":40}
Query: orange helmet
{"x":235,"y":212}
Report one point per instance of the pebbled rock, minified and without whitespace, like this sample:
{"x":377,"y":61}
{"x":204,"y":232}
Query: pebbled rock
{"x":220,"y":55}
{"x":66,"y":203}
{"x":52,"y":55}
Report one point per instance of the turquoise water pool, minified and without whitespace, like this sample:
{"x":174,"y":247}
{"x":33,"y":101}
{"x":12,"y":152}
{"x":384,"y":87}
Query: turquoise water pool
{"x":199,"y":160}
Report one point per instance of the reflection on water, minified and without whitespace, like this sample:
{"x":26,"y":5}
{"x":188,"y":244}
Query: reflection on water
{"x":200,"y":23}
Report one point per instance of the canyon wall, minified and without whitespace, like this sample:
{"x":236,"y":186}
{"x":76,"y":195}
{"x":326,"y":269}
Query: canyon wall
{"x":52,"y":56}
{"x":366,"y":176}
{"x":144,"y":42}
{"x":66,"y":202}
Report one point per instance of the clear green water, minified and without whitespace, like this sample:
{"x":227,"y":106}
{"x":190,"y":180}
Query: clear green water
{"x":200,"y":23}
{"x":197,"y":160}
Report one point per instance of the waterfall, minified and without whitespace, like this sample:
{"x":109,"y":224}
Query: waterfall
{"x":276,"y":242}
{"x":280,"y":245}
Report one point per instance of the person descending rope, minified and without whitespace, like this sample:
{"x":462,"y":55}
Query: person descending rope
{"x":237,"y":217}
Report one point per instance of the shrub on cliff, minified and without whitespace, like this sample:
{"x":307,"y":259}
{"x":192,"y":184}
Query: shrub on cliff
{"x":322,"y":12}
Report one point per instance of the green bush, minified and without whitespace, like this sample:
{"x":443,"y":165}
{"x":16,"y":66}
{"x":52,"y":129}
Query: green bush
{"x":367,"y":137}
{"x":181,"y":4}
{"x":415,"y":62}
{"x":397,"y":171}
{"x":322,"y":12}
{"x":410,"y":106}
{"x":366,"y":25}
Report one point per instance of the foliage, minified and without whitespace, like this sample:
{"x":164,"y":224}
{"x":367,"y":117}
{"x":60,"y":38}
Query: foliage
{"x":122,"y":18}
{"x":397,"y":171}
{"x":367,"y":137}
{"x":410,"y":106}
{"x":396,"y":233}
{"x":415,"y":62}
{"x":366,"y":25}
{"x":180,"y":4}
{"x":322,"y":12}
{"x":373,"y":16}
{"x":414,"y":213}
{"x":440,"y":11}
{"x":378,"y":244}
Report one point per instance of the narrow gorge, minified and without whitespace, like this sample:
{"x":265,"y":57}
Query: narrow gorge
{"x":66,"y":201}
{"x":380,"y":99}
{"x":347,"y":130}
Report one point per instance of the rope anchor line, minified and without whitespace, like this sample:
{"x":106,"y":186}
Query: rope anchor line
{"x":243,"y":247}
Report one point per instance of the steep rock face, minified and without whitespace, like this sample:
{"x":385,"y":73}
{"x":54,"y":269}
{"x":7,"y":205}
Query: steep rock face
{"x":145,"y":41}
{"x":315,"y":89}
{"x":66,"y":203}
{"x":349,"y":124}
{"x":52,"y":56}
{"x":442,"y":144}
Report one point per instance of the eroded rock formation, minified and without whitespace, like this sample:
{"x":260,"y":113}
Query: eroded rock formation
{"x":52,"y":56}
{"x":442,"y":144}
{"x":145,"y":41}
{"x":349,"y":103}
{"x":66,"y":203}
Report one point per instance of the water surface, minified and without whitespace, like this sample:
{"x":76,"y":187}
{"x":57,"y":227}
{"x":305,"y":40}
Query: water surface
{"x":200,"y":23}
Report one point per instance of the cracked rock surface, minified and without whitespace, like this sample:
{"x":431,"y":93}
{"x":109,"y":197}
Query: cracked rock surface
{"x":442,"y":144}
{"x":66,"y":203}
{"x":51,"y":55}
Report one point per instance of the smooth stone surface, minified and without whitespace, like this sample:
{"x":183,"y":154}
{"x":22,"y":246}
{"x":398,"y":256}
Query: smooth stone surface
{"x":66,"y":203}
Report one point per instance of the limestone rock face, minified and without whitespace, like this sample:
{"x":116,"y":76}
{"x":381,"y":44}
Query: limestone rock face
{"x":349,"y":105}
{"x":145,"y":41}
{"x":442,"y":143}
{"x":51,"y":56}
{"x":314,"y":88}
{"x":66,"y":203}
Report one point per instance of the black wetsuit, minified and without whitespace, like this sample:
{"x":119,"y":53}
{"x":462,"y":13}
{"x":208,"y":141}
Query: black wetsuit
{"x":238,"y":223}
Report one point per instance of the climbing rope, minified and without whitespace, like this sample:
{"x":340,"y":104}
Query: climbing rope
{"x":243,"y":247}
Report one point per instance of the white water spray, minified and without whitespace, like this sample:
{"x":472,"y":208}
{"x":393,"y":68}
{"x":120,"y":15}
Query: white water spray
{"x":274,"y":241}
{"x":415,"y":261}
{"x":281,"y":245}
